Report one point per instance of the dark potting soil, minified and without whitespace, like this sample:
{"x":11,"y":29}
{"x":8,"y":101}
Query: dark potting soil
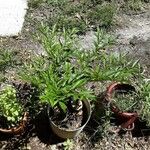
{"x":72,"y":119}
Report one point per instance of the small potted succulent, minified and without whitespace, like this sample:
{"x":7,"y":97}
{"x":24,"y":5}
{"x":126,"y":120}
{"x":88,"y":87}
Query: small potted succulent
{"x":124,"y":103}
{"x":68,"y":107}
{"x":13,"y":119}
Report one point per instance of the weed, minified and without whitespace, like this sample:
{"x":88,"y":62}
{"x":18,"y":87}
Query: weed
{"x":102,"y":15}
{"x":68,"y":23}
{"x":82,"y":15}
{"x":102,"y":125}
{"x":64,"y":71}
{"x":134,"y":4}
{"x":5,"y":59}
{"x":103,"y":40}
{"x":35,"y":3}
{"x":68,"y":145}
{"x":103,"y":67}
{"x":144,"y":96}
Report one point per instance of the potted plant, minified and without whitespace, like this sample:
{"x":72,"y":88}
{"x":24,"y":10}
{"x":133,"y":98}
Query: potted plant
{"x":61,"y":83}
{"x":11,"y":112}
{"x":124,"y":103}
{"x":67,"y":98}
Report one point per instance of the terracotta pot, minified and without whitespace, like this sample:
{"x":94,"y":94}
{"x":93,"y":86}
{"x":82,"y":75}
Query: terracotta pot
{"x":66,"y":133}
{"x":19,"y":129}
{"x":127,"y":118}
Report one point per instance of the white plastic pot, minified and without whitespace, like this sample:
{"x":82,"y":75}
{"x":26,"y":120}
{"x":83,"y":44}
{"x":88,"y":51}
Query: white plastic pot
{"x":66,"y":133}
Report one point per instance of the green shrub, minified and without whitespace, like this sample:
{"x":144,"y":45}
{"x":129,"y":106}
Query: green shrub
{"x":58,"y":79}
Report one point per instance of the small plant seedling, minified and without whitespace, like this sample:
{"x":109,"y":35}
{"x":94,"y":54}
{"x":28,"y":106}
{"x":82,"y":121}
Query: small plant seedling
{"x":68,"y":144}
{"x":9,"y":106}
{"x":103,"y":39}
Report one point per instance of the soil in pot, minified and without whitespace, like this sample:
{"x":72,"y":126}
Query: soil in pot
{"x":71,"y":119}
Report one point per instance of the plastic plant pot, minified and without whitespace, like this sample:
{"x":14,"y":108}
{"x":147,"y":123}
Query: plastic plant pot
{"x":67,"y":133}
{"x":19,"y":129}
{"x":128,"y":118}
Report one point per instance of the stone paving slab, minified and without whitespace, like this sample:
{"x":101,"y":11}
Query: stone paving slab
{"x":12,"y":13}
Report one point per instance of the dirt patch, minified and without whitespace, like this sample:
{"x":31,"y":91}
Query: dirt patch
{"x":134,"y":37}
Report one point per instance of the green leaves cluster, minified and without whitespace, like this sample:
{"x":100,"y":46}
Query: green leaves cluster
{"x":9,"y":106}
{"x":63,"y":71}
{"x":6,"y":60}
{"x":68,"y":144}
{"x":56,"y":73}
{"x":144,"y":96}
{"x":60,"y":88}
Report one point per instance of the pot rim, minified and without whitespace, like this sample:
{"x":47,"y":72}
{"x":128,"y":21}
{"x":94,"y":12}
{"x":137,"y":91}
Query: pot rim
{"x":118,"y":86}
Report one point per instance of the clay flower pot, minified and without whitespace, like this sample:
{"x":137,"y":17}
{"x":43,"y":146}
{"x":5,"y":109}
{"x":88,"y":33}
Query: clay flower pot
{"x":68,"y":133}
{"x":19,"y":129}
{"x":128,"y":118}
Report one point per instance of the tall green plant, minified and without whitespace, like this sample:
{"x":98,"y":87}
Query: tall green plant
{"x":61,"y":87}
{"x":55,"y":73}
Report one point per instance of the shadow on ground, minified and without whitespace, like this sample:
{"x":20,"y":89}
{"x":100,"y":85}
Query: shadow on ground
{"x":43,"y":130}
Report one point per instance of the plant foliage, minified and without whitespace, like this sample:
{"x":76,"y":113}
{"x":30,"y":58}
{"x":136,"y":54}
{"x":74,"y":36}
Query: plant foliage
{"x":9,"y":106}
{"x":64,"y":70}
